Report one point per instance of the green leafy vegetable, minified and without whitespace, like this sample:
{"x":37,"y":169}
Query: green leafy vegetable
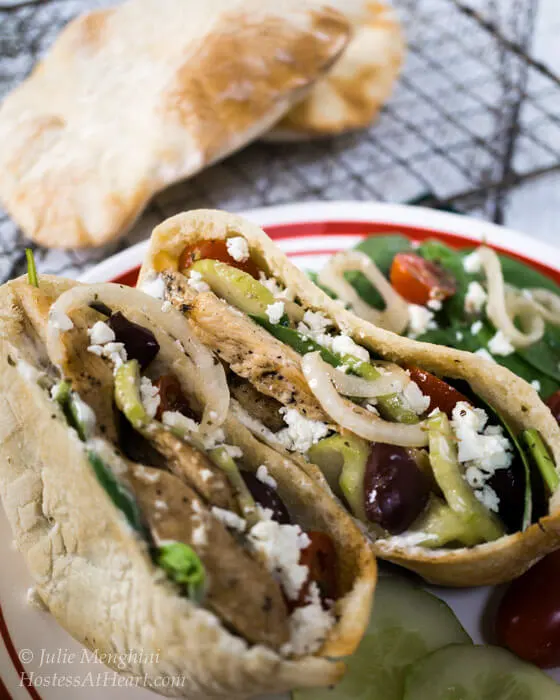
{"x":182,"y":565}
{"x":539,"y":452}
{"x":31,"y":269}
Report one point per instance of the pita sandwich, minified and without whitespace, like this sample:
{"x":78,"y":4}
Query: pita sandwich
{"x":133,"y":98}
{"x":158,"y":530}
{"x":442,"y":485}
{"x":353,"y":92}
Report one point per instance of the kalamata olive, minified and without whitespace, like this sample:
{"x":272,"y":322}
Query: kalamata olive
{"x":171,"y":397}
{"x":528,"y":619}
{"x":396,"y":490}
{"x":509,"y":485}
{"x":139,"y":342}
{"x":553,"y":402}
{"x":267,"y":497}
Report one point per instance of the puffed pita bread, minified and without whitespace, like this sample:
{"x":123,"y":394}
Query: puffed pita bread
{"x":97,"y":579}
{"x":514,"y":398}
{"x":352,"y":93}
{"x":134,"y":98}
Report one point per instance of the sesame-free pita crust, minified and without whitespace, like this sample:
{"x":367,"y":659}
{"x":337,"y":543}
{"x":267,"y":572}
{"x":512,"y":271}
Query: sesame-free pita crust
{"x":134,"y":98}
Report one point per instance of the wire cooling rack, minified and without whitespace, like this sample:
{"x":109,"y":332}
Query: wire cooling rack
{"x":473,"y":116}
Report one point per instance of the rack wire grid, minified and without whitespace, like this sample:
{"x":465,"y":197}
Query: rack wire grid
{"x":472,"y":116}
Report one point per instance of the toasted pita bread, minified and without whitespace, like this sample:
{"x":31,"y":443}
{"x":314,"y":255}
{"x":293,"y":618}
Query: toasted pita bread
{"x":353,"y":92}
{"x":488,"y":563}
{"x":94,"y":574}
{"x":133,"y":98}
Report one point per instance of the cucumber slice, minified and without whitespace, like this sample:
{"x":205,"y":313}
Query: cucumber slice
{"x":465,"y":672}
{"x":407,"y":623}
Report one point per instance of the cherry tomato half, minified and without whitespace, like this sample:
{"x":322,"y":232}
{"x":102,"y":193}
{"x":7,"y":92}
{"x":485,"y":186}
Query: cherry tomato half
{"x":320,"y":557}
{"x":528,"y":620}
{"x":442,"y":395}
{"x":418,"y":280}
{"x":553,"y":402}
{"x":171,"y":397}
{"x":214,"y":250}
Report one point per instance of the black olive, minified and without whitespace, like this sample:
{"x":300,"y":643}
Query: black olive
{"x":267,"y":497}
{"x":396,"y":490}
{"x":140,"y":343}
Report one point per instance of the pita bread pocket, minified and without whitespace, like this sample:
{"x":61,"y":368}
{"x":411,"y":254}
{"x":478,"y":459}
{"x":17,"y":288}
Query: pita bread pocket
{"x":353,"y":92}
{"x":133,"y":98}
{"x":150,"y":519}
{"x":445,"y":490}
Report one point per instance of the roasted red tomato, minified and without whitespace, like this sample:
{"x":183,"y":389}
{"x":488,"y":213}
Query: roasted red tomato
{"x":553,"y":402}
{"x":320,"y":557}
{"x":419,"y":281}
{"x":171,"y":397}
{"x":214,"y":250}
{"x":442,"y":395}
{"x":528,"y":620}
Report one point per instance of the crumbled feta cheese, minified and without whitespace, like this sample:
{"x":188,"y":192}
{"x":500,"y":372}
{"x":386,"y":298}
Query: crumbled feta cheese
{"x":536,"y":385}
{"x":415,"y":398}
{"x":500,"y":345}
{"x":115,"y":352}
{"x":275,"y":311}
{"x":476,"y":327}
{"x":309,"y":625}
{"x":84,"y":416}
{"x":154,"y":287}
{"x":344,"y":345}
{"x":277,"y":291}
{"x":213,"y":439}
{"x":489,"y":498}
{"x":166,"y":306}
{"x":196,"y":282}
{"x":265,"y":478}
{"x":371,"y":408}
{"x":206,"y":474}
{"x":434,"y":304}
{"x":315,"y":321}
{"x":238,"y":248}
{"x":472,"y":263}
{"x":150,"y":396}
{"x":300,"y":432}
{"x":420,"y":319}
{"x":176,"y":420}
{"x":475,"y":298}
{"x":59,"y":320}
{"x":199,"y":538}
{"x":233,"y":451}
{"x":483,"y":352}
{"x":459,"y":336}
{"x":101,"y":333}
{"x":482,"y":450}
{"x":229,"y":518}
{"x":281,"y":546}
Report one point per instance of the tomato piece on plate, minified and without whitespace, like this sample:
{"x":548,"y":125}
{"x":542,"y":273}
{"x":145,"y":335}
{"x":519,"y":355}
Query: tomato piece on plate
{"x":419,"y":281}
{"x":320,"y":557}
{"x":528,"y":619}
{"x":553,"y":402}
{"x":442,"y":395}
{"x":214,"y":250}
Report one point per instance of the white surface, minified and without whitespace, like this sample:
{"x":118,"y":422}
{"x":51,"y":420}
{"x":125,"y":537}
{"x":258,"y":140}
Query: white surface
{"x":33,"y":631}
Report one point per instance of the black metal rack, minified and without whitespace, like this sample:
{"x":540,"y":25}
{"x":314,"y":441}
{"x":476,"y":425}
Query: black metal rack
{"x":472,"y":117}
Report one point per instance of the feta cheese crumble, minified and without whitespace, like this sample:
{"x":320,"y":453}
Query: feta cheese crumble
{"x":275,"y":311}
{"x":536,"y":385}
{"x":101,"y":333}
{"x":435,"y":304}
{"x":301,"y":433}
{"x":264,"y":477}
{"x":420,"y":320}
{"x":475,"y":298}
{"x":84,"y":416}
{"x":309,"y":625}
{"x":114,"y":352}
{"x":154,"y":287}
{"x":179,"y":422}
{"x":482,"y":449}
{"x":459,"y":336}
{"x":344,"y":345}
{"x":472,"y":263}
{"x":238,"y":248}
{"x":150,"y":396}
{"x":476,"y":327}
{"x":229,"y":518}
{"x":500,"y":345}
{"x":196,"y":282}
{"x":416,"y":400}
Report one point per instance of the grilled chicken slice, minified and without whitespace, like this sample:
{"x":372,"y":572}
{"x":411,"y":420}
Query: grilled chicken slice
{"x":240,"y":590}
{"x":264,"y":408}
{"x":272,"y":367}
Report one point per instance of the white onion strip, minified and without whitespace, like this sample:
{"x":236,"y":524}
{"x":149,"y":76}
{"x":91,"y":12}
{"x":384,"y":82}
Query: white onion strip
{"x":395,"y":315}
{"x":547,"y":304}
{"x":497,"y":308}
{"x":349,"y":385}
{"x":196,"y":368}
{"x":369,"y":427}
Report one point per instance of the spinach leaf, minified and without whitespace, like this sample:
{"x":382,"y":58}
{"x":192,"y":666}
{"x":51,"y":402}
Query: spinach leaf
{"x":544,"y":356}
{"x":314,"y":277}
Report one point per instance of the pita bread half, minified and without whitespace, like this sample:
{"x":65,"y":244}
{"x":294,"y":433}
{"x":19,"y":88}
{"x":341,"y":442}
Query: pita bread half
{"x":484,"y":564}
{"x":351,"y":95}
{"x":134,"y":98}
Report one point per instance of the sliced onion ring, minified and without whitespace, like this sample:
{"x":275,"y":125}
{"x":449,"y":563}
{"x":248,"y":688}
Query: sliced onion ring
{"x":497,"y":308}
{"x":547,"y":304}
{"x":395,"y":315}
{"x":349,"y":385}
{"x":343,"y":413}
{"x":196,"y":369}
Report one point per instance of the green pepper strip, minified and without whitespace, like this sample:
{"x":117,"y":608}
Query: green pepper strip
{"x":390,"y":405}
{"x":541,"y":455}
{"x":182,"y":565}
{"x":31,"y":269}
